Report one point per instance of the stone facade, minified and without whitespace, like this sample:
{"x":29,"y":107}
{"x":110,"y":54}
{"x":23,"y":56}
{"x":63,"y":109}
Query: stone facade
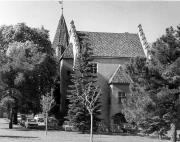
{"x":105,"y":69}
{"x":110,"y":52}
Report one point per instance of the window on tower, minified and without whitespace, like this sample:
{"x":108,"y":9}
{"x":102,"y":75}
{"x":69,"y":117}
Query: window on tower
{"x":93,"y":68}
{"x":68,"y":73}
{"x":121,"y":96}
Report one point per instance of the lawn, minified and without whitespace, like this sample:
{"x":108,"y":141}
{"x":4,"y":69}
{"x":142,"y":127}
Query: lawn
{"x":19,"y":134}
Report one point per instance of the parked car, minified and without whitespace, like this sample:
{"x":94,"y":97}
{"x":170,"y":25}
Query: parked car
{"x":31,"y":123}
{"x":21,"y":119}
{"x":41,"y":122}
{"x":37,"y":116}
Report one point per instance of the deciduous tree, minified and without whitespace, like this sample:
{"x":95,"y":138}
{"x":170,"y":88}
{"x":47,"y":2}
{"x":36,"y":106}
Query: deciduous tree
{"x":28,"y":65}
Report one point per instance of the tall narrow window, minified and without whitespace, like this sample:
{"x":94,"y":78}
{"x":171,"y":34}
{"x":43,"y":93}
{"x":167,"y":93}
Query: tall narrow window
{"x":121,"y":96}
{"x":93,"y":68}
{"x":68,"y":73}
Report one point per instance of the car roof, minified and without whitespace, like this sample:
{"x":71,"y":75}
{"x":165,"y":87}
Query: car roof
{"x":30,"y":118}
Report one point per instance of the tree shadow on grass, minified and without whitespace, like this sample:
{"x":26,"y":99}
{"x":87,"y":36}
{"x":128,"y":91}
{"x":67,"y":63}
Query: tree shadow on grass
{"x":31,"y":129}
{"x":117,"y":134}
{"x":132,"y":134}
{"x":9,"y":136}
{"x":21,"y":129}
{"x":165,"y":137}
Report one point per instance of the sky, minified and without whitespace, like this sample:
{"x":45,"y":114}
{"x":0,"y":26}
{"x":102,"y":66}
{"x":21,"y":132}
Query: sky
{"x":95,"y":16}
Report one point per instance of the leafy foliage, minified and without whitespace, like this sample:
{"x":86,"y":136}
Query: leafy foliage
{"x":8,"y":103}
{"x":28,"y":65}
{"x":155,"y":89}
{"x":23,"y":33}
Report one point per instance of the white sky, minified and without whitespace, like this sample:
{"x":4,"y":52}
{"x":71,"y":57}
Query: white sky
{"x":98,"y":16}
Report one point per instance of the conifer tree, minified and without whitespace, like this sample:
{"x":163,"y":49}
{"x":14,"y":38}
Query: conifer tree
{"x":158,"y":80}
{"x":78,"y":114}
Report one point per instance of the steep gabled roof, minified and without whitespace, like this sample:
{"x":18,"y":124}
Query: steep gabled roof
{"x":112,"y":44}
{"x":61,"y":37}
{"x":119,"y":76}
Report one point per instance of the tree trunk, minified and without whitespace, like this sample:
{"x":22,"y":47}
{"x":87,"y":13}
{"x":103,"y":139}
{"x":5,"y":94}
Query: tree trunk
{"x":15,"y":111}
{"x":91,"y":131}
{"x":9,"y":114}
{"x":160,"y":136}
{"x":46,"y":122}
{"x":173,"y":132}
{"x":11,"y":119}
{"x":15,"y":118}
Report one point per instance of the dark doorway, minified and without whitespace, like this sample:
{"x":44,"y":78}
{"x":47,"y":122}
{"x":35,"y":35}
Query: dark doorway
{"x":119,"y":118}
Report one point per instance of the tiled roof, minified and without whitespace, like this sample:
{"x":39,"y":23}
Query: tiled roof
{"x":61,"y":37}
{"x":119,"y":76}
{"x":112,"y":44}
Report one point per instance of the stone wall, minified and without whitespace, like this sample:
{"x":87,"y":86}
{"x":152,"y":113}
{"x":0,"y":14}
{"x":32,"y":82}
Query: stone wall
{"x":115,"y":106}
{"x":105,"y":69}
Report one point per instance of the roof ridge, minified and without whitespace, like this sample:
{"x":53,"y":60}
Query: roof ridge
{"x":108,"y":32}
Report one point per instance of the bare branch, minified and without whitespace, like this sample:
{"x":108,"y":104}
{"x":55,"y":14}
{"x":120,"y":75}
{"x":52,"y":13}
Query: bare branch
{"x":89,"y":96}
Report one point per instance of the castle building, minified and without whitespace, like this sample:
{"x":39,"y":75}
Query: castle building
{"x":110,"y":52}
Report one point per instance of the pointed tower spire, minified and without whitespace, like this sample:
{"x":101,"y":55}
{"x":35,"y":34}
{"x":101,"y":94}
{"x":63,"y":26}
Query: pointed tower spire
{"x":61,"y":3}
{"x":61,"y":39}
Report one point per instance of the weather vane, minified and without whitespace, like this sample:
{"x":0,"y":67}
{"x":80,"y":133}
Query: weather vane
{"x":61,"y":3}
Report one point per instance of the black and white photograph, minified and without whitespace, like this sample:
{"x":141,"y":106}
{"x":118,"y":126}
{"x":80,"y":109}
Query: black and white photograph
{"x":89,"y":71}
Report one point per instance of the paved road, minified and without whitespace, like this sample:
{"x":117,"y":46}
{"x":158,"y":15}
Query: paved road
{"x":19,"y":134}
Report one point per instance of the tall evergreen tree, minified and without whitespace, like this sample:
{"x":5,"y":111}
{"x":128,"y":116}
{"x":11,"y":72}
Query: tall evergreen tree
{"x":156,"y":86}
{"x":78,"y":114}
